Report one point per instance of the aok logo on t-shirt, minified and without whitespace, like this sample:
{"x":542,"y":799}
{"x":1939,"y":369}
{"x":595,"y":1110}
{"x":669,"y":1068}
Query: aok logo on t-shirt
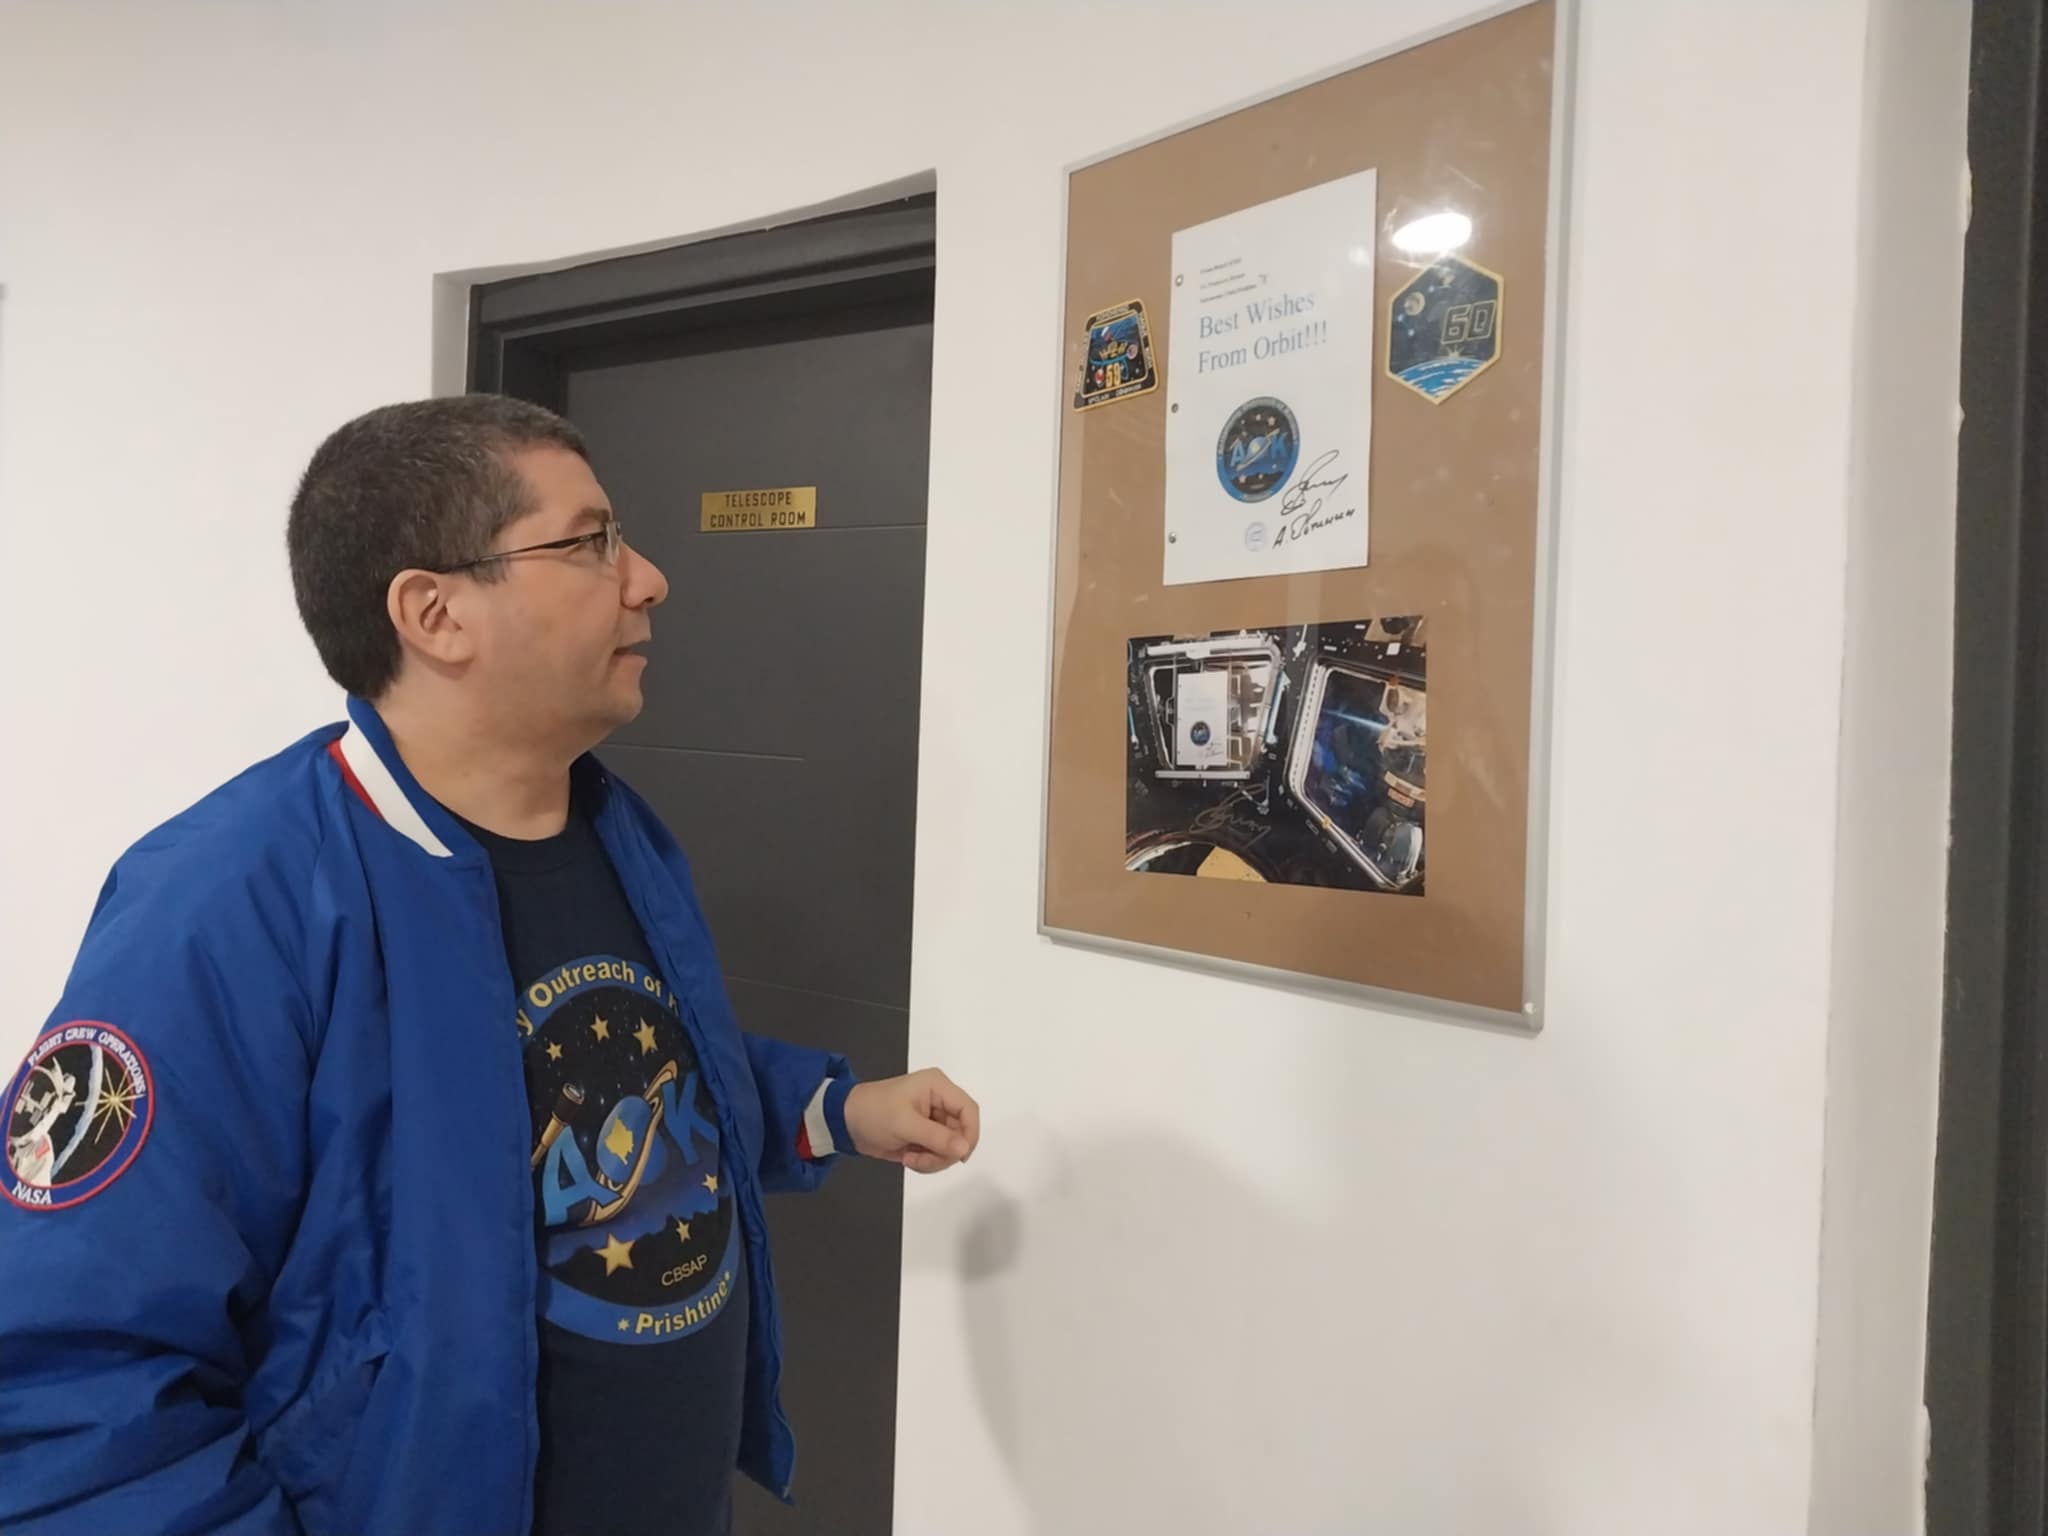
{"x":640,"y":1242}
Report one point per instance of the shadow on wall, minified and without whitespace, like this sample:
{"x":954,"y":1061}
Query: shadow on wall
{"x":1158,"y":1346}
{"x":1107,"y":1333}
{"x":1114,"y":1342}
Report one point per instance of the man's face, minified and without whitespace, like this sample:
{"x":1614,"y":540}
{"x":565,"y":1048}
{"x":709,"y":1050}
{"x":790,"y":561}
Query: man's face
{"x":560,"y":635}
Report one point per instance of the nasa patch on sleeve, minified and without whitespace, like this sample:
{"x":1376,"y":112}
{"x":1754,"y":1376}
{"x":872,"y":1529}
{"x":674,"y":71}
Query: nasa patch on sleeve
{"x":79,"y":1109}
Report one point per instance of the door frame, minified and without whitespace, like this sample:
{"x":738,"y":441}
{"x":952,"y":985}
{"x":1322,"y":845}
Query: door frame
{"x":521,"y":328}
{"x":1987,"y":1327}
{"x":527,"y":335}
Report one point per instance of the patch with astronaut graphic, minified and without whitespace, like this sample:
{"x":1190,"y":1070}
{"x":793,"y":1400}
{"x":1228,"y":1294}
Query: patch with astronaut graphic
{"x":1117,"y":359}
{"x":78,"y":1111}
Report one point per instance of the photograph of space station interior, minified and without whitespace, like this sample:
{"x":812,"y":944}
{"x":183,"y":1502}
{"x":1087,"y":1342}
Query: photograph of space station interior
{"x":1293,"y":755}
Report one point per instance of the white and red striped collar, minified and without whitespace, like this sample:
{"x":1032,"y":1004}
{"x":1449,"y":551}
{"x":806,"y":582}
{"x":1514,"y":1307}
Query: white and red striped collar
{"x":377,"y":787}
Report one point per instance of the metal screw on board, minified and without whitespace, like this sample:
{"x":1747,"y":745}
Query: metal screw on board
{"x":1175,"y":406}
{"x":1177,"y":279}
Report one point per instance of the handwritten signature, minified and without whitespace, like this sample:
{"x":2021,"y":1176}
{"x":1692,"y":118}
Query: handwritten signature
{"x":1296,"y":499}
{"x":1229,"y":817}
{"x":1304,"y":517}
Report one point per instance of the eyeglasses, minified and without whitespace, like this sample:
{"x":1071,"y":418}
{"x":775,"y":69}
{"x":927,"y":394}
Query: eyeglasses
{"x":606,"y":541}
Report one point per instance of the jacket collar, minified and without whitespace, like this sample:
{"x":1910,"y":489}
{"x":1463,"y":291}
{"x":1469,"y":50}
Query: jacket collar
{"x":369,"y":761}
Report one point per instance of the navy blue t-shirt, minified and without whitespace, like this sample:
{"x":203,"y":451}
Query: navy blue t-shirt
{"x":643,"y":1282}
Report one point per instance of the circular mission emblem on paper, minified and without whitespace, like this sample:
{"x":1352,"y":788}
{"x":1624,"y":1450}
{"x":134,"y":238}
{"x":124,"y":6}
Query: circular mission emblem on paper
{"x":79,"y":1110}
{"x":1257,"y":449}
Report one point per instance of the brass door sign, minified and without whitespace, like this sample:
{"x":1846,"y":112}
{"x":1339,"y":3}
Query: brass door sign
{"x":789,"y":506}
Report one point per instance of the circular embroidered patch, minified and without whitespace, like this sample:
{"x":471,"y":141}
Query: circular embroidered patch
{"x":78,"y":1111}
{"x":1257,"y":448}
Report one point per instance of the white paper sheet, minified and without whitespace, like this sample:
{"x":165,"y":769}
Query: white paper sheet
{"x":1201,"y":710}
{"x":1269,"y":387}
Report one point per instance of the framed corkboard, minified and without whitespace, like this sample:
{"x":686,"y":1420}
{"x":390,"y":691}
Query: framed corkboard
{"x":1302,"y":575}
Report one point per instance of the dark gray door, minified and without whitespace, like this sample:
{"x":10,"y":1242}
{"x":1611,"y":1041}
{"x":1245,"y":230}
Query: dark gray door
{"x":780,"y":744}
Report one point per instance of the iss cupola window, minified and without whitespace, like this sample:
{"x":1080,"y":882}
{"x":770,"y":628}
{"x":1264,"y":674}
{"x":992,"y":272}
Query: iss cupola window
{"x":1296,"y":755}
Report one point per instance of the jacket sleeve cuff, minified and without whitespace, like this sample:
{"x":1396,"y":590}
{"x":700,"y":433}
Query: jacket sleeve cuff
{"x":825,"y":1132}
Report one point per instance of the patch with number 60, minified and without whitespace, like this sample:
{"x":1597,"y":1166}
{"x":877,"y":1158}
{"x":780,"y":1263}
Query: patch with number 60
{"x":1443,"y":329}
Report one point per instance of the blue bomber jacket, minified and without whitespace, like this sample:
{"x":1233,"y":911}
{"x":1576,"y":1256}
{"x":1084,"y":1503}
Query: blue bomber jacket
{"x":267,"y":1248}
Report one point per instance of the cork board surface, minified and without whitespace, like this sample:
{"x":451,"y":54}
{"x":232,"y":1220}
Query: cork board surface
{"x":1461,"y":122}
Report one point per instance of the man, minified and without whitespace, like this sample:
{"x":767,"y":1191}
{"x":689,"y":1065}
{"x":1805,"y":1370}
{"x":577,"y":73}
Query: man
{"x":392,"y":1161}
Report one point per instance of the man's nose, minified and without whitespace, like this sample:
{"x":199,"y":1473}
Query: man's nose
{"x":644,"y":585}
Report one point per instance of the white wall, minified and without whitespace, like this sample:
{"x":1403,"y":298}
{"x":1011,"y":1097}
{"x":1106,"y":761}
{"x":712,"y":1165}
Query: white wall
{"x":1232,"y":1260}
{"x":1884,"y":1045}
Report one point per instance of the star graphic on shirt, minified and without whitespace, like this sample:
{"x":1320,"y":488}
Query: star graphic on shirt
{"x":616,"y":1255}
{"x":602,"y":1028}
{"x":645,"y":1035}
{"x":622,"y":1325}
{"x":682,"y":1231}
{"x":711,"y":1182}
{"x":554,"y":1050}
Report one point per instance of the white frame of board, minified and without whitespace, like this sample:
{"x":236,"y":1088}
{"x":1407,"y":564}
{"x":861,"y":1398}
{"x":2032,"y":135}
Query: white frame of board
{"x":1536,"y":894}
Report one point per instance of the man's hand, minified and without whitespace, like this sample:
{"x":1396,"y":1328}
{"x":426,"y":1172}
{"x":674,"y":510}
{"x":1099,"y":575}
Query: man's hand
{"x":922,"y":1121}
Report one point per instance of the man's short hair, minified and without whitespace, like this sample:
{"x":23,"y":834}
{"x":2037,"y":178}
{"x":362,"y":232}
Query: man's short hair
{"x":423,"y":485}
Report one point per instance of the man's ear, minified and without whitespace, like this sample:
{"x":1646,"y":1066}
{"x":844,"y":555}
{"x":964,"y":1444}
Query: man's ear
{"x":418,"y":603}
